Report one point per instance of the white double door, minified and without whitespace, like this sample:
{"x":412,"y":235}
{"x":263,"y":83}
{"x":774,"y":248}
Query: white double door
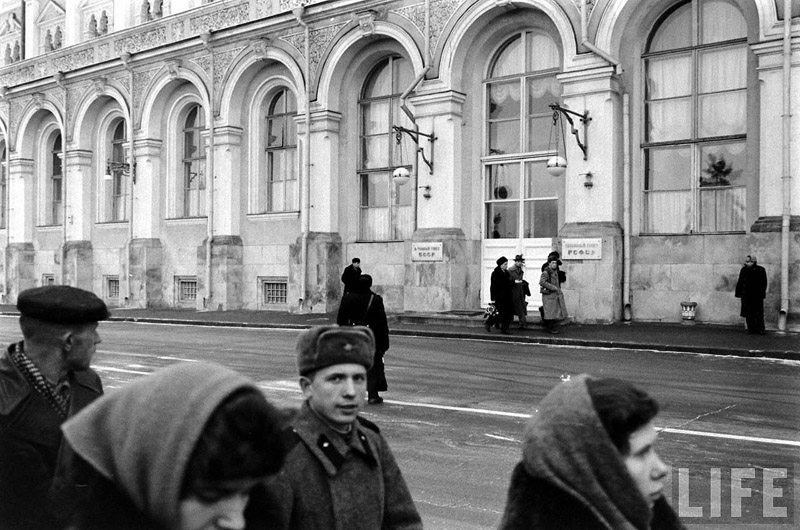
{"x":534,"y":251}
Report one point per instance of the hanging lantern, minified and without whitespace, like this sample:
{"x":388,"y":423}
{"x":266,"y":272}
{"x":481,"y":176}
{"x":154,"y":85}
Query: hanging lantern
{"x":556,"y":165}
{"x":400,"y":176}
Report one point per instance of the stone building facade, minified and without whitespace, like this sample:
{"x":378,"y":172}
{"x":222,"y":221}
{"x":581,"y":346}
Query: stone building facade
{"x":237,"y":154}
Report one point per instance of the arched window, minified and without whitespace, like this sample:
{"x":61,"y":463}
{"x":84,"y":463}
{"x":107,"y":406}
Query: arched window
{"x":115,"y":182}
{"x":520,"y":197}
{"x":192,"y":195}
{"x":695,"y":106}
{"x":53,"y":214}
{"x":385,"y":207}
{"x":277,"y":189}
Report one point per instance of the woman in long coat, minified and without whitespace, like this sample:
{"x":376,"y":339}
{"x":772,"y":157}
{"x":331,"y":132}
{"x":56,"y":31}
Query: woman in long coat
{"x":554,"y":308}
{"x":363,"y":307}
{"x":500,"y":291}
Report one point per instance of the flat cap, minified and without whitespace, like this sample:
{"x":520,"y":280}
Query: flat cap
{"x":324,"y":346}
{"x":62,"y":304}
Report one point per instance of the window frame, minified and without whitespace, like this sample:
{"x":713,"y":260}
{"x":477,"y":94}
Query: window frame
{"x":187,"y":162}
{"x":288,"y":148}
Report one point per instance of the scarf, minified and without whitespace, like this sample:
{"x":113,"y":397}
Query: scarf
{"x":57,"y":401}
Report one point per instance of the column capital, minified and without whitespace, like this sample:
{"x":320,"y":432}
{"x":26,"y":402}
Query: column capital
{"x":147,"y":147}
{"x":228,"y":135}
{"x":79,"y":156}
{"x":321,"y":120}
{"x":445,"y":102}
{"x":590,"y":81}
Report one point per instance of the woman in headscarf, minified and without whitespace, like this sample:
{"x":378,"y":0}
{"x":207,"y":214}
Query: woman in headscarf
{"x":180,"y":449}
{"x":589,"y":462}
{"x":554,"y":308}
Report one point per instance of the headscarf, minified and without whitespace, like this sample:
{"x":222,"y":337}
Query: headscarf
{"x":141,"y":436}
{"x":567,"y":445}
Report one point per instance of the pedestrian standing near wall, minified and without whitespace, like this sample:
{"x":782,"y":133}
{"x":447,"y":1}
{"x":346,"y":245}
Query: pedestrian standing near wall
{"x":45,"y":379}
{"x":554,"y":308}
{"x":518,"y":292}
{"x":363,"y":307}
{"x":589,"y":462}
{"x":180,"y":449}
{"x":500,"y":291}
{"x":752,"y":289}
{"x":339,"y":472}
{"x":350,"y":275}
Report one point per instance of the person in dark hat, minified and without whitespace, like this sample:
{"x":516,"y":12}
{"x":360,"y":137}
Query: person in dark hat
{"x":518,"y":291}
{"x":751,"y":287}
{"x":339,"y":471}
{"x":350,"y":276}
{"x":45,"y":379}
{"x":500,"y":288}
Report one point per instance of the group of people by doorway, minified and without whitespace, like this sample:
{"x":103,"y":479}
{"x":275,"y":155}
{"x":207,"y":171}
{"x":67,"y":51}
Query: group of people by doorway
{"x":509,"y":288}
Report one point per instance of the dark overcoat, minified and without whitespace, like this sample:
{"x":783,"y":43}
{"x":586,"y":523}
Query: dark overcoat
{"x":356,"y":307}
{"x":751,"y":287}
{"x":32,"y":497}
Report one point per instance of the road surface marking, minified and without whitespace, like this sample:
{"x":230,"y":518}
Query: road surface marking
{"x":147,"y":355}
{"x":124,"y":371}
{"x":291,"y":386}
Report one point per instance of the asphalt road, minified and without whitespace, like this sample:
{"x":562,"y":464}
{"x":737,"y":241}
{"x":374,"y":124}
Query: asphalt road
{"x":456,"y":409}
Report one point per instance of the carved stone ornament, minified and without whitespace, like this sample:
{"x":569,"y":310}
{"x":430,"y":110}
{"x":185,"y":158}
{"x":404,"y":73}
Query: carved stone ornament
{"x":99,"y":86}
{"x":366,"y":21}
{"x":260,"y":47}
{"x":173,"y":68}
{"x":38,"y":100}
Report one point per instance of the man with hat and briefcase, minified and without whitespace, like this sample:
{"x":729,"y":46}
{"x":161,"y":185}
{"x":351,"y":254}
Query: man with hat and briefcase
{"x":45,"y":379}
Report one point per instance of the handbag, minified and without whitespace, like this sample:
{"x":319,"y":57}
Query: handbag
{"x":526,"y":288}
{"x":562,"y":276}
{"x":490,"y":312}
{"x":363,"y":321}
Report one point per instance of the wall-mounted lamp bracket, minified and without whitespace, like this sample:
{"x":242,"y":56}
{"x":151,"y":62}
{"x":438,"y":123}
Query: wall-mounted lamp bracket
{"x":123,"y":167}
{"x":585,"y":119}
{"x":398,"y":132}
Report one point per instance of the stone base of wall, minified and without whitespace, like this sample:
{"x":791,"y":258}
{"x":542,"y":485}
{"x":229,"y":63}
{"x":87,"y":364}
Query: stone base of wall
{"x":227,"y":273}
{"x":450,"y":284}
{"x":20,"y":258}
{"x":147,"y":260}
{"x":593,"y":290}
{"x":323,"y":286}
{"x":78,"y":265}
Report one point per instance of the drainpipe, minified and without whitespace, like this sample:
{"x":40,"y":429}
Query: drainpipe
{"x":591,"y":47}
{"x":426,"y":68}
{"x":7,"y":206}
{"x":787,"y":162}
{"x":626,"y":208}
{"x":305,"y":211}
{"x":126,"y":59}
{"x":58,"y":77}
{"x":210,"y":173}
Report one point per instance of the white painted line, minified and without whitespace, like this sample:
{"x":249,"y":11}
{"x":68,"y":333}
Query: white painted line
{"x":147,"y":355}
{"x":773,"y":441}
{"x":504,"y":438}
{"x":122,"y":370}
{"x":281,"y":386}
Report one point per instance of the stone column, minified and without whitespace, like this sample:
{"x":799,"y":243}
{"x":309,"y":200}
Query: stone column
{"x":21,"y":215}
{"x":146,"y":253}
{"x":323,"y":287}
{"x":594,"y":287}
{"x":78,"y":257}
{"x":441,"y":282}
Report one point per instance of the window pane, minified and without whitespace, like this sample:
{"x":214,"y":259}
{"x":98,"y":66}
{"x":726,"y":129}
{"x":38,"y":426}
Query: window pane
{"x":504,"y":100}
{"x":376,"y":151}
{"x":724,"y":69}
{"x":542,"y":91}
{"x":504,"y":137}
{"x":669,"y":77}
{"x":539,"y":134}
{"x":375,"y":117}
{"x":675,"y":31}
{"x":721,"y":20}
{"x":723,"y":114}
{"x":275,"y":132}
{"x":723,"y":209}
{"x":542,"y":52}
{"x":502,"y":182}
{"x":669,"y":120}
{"x":539,"y":183}
{"x":668,"y":212}
{"x":668,"y":168}
{"x":375,"y":190}
{"x":502,"y":220}
{"x":509,"y":61}
{"x":723,"y":164}
{"x":541,"y":218}
{"x":379,"y":82}
{"x":402,"y":74}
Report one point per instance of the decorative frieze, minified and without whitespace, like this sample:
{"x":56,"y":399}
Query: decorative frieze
{"x":263,"y":8}
{"x":141,"y":41}
{"x":204,"y":63}
{"x":73,"y":61}
{"x":319,"y":39}
{"x":415,"y":13}
{"x":222,"y":62}
{"x":224,"y":18}
{"x":17,"y":76}
{"x":178,"y":30}
{"x":141,"y":81}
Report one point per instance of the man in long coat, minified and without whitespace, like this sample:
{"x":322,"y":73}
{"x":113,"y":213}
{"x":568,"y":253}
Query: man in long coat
{"x":500,"y":291}
{"x":752,"y":289}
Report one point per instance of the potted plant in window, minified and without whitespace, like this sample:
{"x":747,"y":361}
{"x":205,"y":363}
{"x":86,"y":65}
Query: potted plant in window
{"x":718,"y":171}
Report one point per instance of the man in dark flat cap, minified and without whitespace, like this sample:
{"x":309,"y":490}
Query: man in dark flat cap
{"x":339,"y":471}
{"x":45,"y":379}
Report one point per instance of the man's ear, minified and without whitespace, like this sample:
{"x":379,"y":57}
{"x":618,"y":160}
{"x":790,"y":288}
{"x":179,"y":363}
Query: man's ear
{"x":68,"y":341}
{"x":305,"y":385}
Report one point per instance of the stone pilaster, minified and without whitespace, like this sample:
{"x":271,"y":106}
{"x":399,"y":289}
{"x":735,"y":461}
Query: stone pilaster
{"x":324,"y":183}
{"x":148,"y":200}
{"x":147,"y":260}
{"x":79,"y":195}
{"x":20,"y":259}
{"x":228,"y":180}
{"x":323,"y":285}
{"x":227,"y":273}
{"x":22,"y":210}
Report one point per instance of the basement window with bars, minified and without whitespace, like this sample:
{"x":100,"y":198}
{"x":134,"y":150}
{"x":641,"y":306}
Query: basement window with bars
{"x":273,"y":290}
{"x":112,"y":287}
{"x":48,"y":279}
{"x":186,"y":289}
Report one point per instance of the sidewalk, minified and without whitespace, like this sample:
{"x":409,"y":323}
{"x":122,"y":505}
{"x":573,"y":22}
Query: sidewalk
{"x":698,"y":338}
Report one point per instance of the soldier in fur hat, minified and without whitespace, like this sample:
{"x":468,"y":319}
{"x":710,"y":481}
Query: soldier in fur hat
{"x":339,"y":471}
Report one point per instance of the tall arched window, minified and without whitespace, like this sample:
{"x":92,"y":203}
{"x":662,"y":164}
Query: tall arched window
{"x":385,"y":207}
{"x":696,"y":69}
{"x":192,"y":196}
{"x":53,"y":214}
{"x":520,"y":197}
{"x":115,"y":183}
{"x":277,"y":185}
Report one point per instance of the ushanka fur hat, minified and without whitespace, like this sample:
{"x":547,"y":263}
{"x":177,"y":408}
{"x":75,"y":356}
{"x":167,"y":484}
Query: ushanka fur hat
{"x":324,"y":346}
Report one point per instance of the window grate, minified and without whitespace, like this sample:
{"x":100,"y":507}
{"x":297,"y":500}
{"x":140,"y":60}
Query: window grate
{"x":187,"y":290}
{"x":112,"y":287}
{"x":48,"y":279}
{"x":273,"y":291}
